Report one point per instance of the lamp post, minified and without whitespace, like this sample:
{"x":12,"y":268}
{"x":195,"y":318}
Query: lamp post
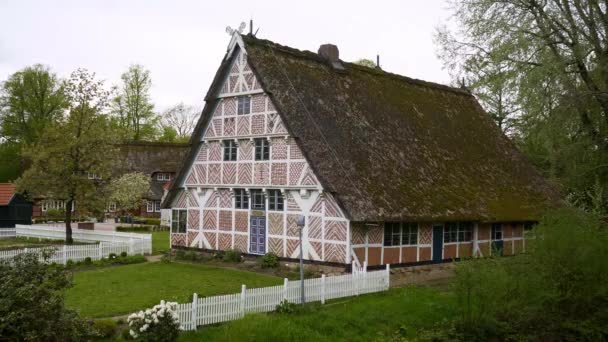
{"x":301,"y":223}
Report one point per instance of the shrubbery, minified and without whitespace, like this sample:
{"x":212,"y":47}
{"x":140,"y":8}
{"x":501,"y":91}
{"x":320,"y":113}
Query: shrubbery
{"x":556,"y":291}
{"x":232,"y":256}
{"x":159,"y":323}
{"x":269,"y":260}
{"x":32,"y":306}
{"x":104,"y":328}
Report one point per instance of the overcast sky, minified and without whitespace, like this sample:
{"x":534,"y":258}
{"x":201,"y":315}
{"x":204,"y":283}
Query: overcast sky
{"x":182,"y":42}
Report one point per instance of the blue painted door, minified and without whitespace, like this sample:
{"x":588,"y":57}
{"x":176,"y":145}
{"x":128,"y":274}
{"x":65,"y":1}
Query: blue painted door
{"x":437,"y":242}
{"x":257,"y":235}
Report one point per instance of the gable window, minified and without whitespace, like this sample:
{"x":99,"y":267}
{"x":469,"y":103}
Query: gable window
{"x":241,"y":200}
{"x":496,"y":231}
{"x":410,"y":234}
{"x":257,"y":200}
{"x":275,"y":200}
{"x":457,"y":232}
{"x":262,"y":149}
{"x":178,"y":220}
{"x":149,"y":206}
{"x":243,"y":105}
{"x":163,"y":176}
{"x":230,"y":150}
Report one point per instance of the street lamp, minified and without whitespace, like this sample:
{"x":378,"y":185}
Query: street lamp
{"x":301,"y":222}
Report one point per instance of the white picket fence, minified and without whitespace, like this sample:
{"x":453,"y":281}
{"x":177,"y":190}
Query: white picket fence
{"x":216,"y":309}
{"x":84,"y":235}
{"x":61,"y":254}
{"x":8,"y":233}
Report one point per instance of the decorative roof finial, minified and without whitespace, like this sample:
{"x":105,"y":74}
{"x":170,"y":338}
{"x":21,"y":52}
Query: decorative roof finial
{"x":231,"y":31}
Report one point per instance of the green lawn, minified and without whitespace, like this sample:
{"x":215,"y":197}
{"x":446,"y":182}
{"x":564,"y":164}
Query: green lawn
{"x":365,"y":318}
{"x":121,"y":290}
{"x":25,"y":242}
{"x":160,"y":241}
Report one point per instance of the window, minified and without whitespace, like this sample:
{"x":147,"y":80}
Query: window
{"x":91,"y":175}
{"x":262,"y":149}
{"x":457,"y":231}
{"x":229,"y":150}
{"x":257,"y":200}
{"x":157,"y":206}
{"x":54,"y":204}
{"x":178,"y":220}
{"x":392,"y":234}
{"x":275,"y":200}
{"x":241,"y":200}
{"x":163,"y":176}
{"x":410,"y":234}
{"x":244,"y":105}
{"x":150,"y":206}
{"x":112,"y":207}
{"x":496,"y":231}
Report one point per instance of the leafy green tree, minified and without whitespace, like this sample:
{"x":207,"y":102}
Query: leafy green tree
{"x":128,"y":191}
{"x":32,"y":303}
{"x":10,"y":167}
{"x":133,"y":111}
{"x":169,"y":134}
{"x":540,"y":68}
{"x":30,"y":100}
{"x":74,"y":150}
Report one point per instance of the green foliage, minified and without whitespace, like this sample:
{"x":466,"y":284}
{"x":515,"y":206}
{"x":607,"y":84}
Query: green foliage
{"x":32,"y":307}
{"x":269,"y":260}
{"x":104,"y":328}
{"x":232,"y":256}
{"x":365,"y":62}
{"x":87,"y":261}
{"x":123,"y":254}
{"x":153,"y":221}
{"x":10,"y":168}
{"x":556,"y":289}
{"x":30,"y":100}
{"x":133,"y":112}
{"x":188,"y":255}
{"x":285,"y":307}
{"x":54,"y":213}
{"x":168,"y":134}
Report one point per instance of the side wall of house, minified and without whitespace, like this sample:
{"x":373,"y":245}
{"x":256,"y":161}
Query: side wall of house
{"x":209,"y":188}
{"x":368,"y":244}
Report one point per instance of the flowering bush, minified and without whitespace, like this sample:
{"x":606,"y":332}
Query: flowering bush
{"x":159,"y":323}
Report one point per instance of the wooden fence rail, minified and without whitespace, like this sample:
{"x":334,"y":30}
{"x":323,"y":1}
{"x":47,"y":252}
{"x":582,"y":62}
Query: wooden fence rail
{"x":216,"y":309}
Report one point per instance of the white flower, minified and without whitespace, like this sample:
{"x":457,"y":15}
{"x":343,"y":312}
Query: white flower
{"x":133,"y":333}
{"x":144,"y":328}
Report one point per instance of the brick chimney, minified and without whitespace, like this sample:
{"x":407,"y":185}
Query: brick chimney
{"x":331,"y":54}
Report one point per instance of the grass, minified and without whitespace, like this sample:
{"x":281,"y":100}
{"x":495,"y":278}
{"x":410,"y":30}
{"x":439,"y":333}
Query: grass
{"x":369,"y":317}
{"x":160,"y":240}
{"x":25,"y":242}
{"x":114,"y":291}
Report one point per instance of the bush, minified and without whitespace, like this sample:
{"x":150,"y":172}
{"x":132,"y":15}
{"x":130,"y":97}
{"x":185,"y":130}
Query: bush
{"x":33,"y":305}
{"x":232,"y":256}
{"x":69,"y":263}
{"x":55,"y":213}
{"x":137,"y":228}
{"x":286,"y":307}
{"x":269,"y":260}
{"x":87,"y":261}
{"x":104,"y":328}
{"x":159,"y":323}
{"x":123,"y":254}
{"x":152,"y":221}
{"x":112,"y":256}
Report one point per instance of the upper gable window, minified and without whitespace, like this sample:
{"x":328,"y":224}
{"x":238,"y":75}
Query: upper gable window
{"x":230,"y":150}
{"x":262,"y":149}
{"x":244,"y":105}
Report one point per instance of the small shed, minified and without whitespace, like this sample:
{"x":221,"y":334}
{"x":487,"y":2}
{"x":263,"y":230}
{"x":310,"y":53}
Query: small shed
{"x":14,"y":208}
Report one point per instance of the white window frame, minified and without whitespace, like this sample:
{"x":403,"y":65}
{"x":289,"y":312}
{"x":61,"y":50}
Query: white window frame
{"x":157,"y":205}
{"x":149,"y":206}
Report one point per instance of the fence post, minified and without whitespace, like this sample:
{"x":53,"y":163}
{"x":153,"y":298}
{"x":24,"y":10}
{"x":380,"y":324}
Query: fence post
{"x":65,"y":261}
{"x":365,"y":276}
{"x":130,"y":246}
{"x":388,"y":276}
{"x":243,"y":291}
{"x":285,"y":282}
{"x":100,"y":250}
{"x":322,"y":288}
{"x":193,"y":323}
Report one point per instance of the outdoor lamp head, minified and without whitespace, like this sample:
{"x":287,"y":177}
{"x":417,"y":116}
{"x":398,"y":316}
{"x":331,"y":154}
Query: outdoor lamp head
{"x":301,"y":221}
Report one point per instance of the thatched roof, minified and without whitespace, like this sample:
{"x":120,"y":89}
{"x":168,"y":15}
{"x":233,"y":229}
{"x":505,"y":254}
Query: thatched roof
{"x":150,"y":157}
{"x":394,"y":148}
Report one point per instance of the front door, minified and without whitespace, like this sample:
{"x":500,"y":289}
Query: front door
{"x":437,"y":242}
{"x":257,"y":235}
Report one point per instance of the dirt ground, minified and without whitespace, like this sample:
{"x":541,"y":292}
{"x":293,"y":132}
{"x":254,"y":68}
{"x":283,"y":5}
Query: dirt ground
{"x":431,"y":275}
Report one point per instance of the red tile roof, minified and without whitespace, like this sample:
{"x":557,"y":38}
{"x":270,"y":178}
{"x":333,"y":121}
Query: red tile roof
{"x":7,"y":191}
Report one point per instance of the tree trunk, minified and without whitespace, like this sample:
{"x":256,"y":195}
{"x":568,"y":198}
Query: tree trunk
{"x":68,"y":222}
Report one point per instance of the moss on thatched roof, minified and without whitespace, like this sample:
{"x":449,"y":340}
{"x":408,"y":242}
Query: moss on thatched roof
{"x":395,"y":148}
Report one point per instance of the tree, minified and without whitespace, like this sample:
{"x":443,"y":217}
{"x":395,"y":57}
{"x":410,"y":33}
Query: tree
{"x":29,"y":100}
{"x":131,"y":106}
{"x":128,"y":190}
{"x":73,"y":150}
{"x":182,"y":118}
{"x":32,"y":300}
{"x":366,"y":62}
{"x":541,"y":67}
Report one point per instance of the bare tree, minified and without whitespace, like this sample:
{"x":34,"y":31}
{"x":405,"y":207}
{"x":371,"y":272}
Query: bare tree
{"x":182,"y":118}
